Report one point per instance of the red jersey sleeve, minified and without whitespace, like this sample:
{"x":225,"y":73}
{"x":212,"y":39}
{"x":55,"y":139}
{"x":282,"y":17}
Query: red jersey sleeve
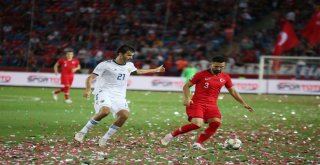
{"x":60,"y":61}
{"x":195,"y":79}
{"x":228,"y":83}
{"x":77,"y":62}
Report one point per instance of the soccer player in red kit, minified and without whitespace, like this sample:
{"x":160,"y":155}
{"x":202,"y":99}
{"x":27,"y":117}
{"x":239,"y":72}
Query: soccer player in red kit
{"x":202,"y":107}
{"x":69,"y":66}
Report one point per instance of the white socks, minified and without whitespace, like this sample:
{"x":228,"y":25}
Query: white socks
{"x":112,"y":129}
{"x":89,"y":125}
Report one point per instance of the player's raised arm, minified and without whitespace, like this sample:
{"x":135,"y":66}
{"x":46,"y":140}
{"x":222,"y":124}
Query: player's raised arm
{"x":235,"y":94}
{"x":155,"y":70}
{"x":89,"y":79}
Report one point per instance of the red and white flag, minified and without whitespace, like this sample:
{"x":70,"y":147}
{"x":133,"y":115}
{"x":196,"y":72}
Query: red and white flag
{"x":287,"y":39}
{"x":312,"y":30}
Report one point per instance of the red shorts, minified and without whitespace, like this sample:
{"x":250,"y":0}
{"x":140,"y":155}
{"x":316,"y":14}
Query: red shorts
{"x":66,"y":79}
{"x":204,"y":111}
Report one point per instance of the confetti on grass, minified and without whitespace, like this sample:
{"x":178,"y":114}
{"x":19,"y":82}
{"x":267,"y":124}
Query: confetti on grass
{"x":264,"y":146}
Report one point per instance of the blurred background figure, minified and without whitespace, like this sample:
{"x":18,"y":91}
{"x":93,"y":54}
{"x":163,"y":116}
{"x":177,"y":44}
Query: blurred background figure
{"x":69,"y":66}
{"x":188,"y":72}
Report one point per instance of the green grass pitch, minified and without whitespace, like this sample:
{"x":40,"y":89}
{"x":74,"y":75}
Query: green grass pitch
{"x":37,"y":130}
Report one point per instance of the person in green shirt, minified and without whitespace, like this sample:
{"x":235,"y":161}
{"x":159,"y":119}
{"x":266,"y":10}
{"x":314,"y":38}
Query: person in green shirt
{"x":188,"y":72}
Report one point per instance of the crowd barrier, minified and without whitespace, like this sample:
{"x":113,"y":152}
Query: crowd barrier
{"x":159,"y":83}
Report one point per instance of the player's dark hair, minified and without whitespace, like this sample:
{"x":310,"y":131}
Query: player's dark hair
{"x":219,"y":59}
{"x":124,"y":48}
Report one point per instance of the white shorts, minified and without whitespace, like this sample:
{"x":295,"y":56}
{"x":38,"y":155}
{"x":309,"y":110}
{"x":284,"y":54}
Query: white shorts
{"x":102,"y":99}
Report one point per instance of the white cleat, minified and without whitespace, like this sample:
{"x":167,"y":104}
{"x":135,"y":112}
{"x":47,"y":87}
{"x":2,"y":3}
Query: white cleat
{"x":68,"y":101}
{"x":198,"y":146}
{"x":79,"y":136}
{"x":54,"y":96}
{"x":102,"y":142}
{"x":167,"y":139}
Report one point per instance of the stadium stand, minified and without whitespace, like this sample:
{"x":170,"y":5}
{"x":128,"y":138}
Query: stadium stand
{"x":34,"y":34}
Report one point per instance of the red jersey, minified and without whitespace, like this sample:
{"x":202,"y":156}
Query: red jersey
{"x":67,"y":66}
{"x":208,"y":86}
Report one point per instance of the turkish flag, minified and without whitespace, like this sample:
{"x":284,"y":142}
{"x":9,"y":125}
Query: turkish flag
{"x":312,"y":30}
{"x":287,"y":39}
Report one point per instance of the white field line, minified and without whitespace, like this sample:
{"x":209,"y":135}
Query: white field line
{"x":18,"y":98}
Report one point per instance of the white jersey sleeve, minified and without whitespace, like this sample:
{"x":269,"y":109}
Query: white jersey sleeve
{"x":132,"y":68}
{"x":100,"y":68}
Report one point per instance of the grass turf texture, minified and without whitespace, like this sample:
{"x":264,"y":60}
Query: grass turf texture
{"x":36,"y":129}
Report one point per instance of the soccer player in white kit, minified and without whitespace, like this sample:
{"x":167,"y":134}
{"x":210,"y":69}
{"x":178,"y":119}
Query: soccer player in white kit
{"x":110,"y":91}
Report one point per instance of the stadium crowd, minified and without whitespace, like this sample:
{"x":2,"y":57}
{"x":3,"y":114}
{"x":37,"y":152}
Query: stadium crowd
{"x":173,"y":33}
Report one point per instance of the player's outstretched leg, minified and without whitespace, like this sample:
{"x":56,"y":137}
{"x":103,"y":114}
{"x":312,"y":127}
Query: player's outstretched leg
{"x":122,"y":118}
{"x":167,"y":139}
{"x":184,"y":129}
{"x":205,"y":135}
{"x":112,"y":130}
{"x":56,"y":92}
{"x":54,"y":96}
{"x":79,"y":136}
{"x":67,"y":95}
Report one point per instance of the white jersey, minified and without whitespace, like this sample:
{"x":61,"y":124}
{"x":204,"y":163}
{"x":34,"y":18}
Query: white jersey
{"x":113,"y":77}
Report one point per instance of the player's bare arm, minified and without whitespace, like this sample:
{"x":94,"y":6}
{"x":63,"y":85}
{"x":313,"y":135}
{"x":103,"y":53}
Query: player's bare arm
{"x":155,"y":70}
{"x":186,"y":93}
{"x":76,"y":69}
{"x":87,"y":91}
{"x":56,"y":68}
{"x":235,"y":94}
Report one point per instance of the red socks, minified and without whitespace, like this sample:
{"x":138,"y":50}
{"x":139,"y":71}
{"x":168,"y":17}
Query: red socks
{"x":207,"y":133}
{"x":184,"y":129}
{"x":58,"y":90}
{"x":66,"y":92}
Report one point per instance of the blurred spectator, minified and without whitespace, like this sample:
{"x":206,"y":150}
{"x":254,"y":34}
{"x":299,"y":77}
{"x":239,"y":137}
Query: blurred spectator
{"x":84,"y":57}
{"x":181,"y":63}
{"x":170,"y":66}
{"x":96,"y":28}
{"x":204,"y":63}
{"x":301,"y":69}
{"x":189,"y":71}
{"x":291,"y":16}
{"x":246,"y":43}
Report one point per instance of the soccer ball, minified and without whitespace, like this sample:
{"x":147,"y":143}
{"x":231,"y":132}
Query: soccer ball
{"x":232,"y":143}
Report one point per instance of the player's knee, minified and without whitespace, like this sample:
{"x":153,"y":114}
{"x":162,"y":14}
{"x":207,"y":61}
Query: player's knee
{"x":214,"y":120}
{"x":214,"y":124}
{"x":104,"y":111}
{"x":198,"y":123}
{"x":123,"y":115}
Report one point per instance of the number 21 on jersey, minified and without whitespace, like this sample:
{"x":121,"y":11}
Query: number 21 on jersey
{"x":121,"y":76}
